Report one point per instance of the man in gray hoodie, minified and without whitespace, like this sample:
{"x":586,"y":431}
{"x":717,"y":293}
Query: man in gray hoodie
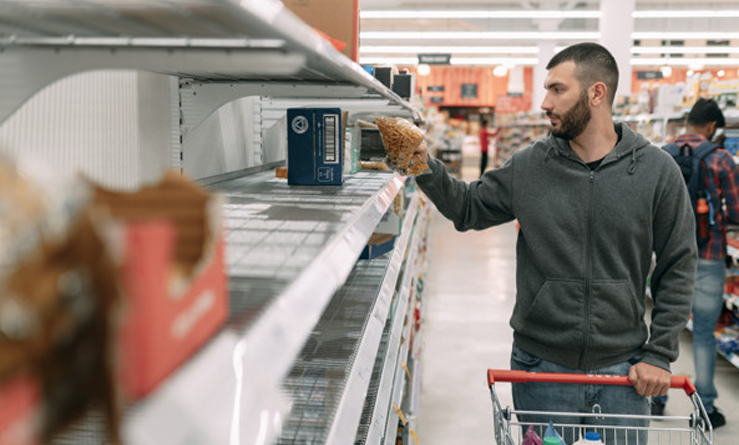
{"x":594,"y":201}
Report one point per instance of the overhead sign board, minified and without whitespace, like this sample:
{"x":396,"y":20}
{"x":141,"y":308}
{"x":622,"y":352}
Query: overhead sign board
{"x":434,"y":59}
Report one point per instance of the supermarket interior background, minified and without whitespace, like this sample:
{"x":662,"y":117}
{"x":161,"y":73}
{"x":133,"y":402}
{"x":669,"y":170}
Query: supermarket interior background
{"x":169,"y":277}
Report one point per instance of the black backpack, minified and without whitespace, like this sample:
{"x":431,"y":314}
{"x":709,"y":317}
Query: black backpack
{"x":690,"y":161}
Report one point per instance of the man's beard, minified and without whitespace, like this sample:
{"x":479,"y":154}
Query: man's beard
{"x":574,"y":121}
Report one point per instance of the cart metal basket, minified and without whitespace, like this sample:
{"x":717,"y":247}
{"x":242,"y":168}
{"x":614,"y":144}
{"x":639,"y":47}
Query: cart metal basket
{"x":691,"y":429}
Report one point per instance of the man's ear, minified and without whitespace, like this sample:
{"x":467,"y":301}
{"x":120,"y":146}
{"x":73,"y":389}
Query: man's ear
{"x":598,"y":93}
{"x":712,"y":126}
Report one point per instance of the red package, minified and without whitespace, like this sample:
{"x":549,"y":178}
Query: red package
{"x":19,"y":411}
{"x":162,"y":328}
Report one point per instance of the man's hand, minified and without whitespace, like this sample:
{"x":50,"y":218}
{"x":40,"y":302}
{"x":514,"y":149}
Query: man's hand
{"x":649,"y":380}
{"x":423,"y":151}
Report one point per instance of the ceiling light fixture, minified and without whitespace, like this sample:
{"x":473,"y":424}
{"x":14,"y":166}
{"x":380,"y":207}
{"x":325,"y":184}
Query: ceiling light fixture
{"x":449,"y":49}
{"x":486,"y":14}
{"x":683,"y":61}
{"x":500,"y":71}
{"x":684,"y":50}
{"x":685,"y":35}
{"x":684,"y":14}
{"x":474,"y":35}
{"x":388,"y":60}
{"x":510,"y":61}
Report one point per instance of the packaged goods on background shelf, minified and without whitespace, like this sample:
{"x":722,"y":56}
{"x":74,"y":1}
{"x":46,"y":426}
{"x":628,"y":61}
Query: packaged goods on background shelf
{"x":728,"y":340}
{"x":518,"y":131}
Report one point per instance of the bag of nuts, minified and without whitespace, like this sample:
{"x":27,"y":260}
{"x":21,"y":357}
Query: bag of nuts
{"x":401,"y":138}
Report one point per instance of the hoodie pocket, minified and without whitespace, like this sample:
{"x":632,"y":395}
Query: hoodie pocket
{"x":616,"y":320}
{"x":554,"y":316}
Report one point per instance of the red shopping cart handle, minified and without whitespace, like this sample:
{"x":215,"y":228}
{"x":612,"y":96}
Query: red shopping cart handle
{"x":494,"y":375}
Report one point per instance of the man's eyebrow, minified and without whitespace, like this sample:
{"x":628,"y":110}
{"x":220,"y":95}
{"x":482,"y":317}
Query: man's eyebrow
{"x":553,"y":84}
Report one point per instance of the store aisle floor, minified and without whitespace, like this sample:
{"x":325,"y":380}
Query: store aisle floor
{"x":470,"y":292}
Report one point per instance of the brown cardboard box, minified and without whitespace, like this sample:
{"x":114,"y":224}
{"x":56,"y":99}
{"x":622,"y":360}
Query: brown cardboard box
{"x":339,"y":19}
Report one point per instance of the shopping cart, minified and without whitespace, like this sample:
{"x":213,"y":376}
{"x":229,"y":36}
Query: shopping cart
{"x":669,"y":430}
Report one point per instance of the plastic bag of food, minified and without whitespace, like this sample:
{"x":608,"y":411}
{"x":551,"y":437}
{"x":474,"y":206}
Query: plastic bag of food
{"x":552,"y":432}
{"x":401,"y":138}
{"x":531,"y":438}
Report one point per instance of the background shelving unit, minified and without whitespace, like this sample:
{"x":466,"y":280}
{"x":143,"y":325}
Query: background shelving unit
{"x":291,"y":251}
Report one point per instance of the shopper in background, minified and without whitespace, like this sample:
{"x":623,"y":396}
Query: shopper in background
{"x":485,"y":136}
{"x":594,"y":201}
{"x":721,"y":186}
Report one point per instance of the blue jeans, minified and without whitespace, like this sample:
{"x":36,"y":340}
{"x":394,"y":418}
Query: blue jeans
{"x":707,"y":303}
{"x":708,"y":300}
{"x":575,"y":398}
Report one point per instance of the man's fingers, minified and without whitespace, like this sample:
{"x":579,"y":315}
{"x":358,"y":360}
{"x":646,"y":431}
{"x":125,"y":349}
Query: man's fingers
{"x":649,"y":380}
{"x":633,"y":376}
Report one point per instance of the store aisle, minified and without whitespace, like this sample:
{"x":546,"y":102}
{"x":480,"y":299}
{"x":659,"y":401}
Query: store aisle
{"x":470,"y":292}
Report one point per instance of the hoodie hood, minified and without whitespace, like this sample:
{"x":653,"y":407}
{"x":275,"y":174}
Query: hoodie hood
{"x":629,"y":143}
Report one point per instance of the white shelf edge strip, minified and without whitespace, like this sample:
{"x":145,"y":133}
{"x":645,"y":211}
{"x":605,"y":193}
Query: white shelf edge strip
{"x":277,"y":337}
{"x":344,"y":428}
{"x":379,"y":415}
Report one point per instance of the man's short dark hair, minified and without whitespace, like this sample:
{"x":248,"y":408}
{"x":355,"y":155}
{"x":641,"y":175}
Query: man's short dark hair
{"x":593,"y":63}
{"x":706,"y":111}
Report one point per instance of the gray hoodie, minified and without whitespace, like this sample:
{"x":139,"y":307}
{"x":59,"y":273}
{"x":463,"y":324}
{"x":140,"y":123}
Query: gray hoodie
{"x":585,"y":247}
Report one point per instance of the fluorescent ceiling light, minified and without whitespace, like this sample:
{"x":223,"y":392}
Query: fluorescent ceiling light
{"x":472,"y":35}
{"x":457,"y":14}
{"x":449,"y":49}
{"x":388,"y":60}
{"x":685,"y":35}
{"x":684,"y":50}
{"x":684,"y":62}
{"x":684,"y":14}
{"x":508,"y":61}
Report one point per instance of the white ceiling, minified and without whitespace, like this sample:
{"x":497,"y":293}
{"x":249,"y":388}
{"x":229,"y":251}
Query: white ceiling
{"x":661,"y":25}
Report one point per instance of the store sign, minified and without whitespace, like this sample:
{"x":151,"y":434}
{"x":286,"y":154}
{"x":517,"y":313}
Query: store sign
{"x":469,"y":91}
{"x":434,"y":59}
{"x":649,"y":75}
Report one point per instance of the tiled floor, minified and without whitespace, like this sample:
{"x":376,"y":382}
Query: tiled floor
{"x":471,"y":288}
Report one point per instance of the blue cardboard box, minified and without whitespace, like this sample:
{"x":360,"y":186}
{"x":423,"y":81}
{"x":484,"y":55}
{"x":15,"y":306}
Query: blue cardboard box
{"x":378,"y":244}
{"x":315,"y":146}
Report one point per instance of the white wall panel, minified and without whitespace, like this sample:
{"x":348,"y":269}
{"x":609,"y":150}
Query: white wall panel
{"x":224,"y":142}
{"x":113,"y":126}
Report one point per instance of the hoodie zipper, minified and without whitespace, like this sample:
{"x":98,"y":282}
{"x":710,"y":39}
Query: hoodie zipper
{"x":588,"y":269}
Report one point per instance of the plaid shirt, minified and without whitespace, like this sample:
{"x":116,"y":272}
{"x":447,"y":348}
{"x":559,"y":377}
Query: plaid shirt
{"x":721,"y":184}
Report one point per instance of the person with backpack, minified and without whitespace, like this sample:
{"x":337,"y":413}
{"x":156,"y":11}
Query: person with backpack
{"x":710,"y":175}
{"x":594,"y":201}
